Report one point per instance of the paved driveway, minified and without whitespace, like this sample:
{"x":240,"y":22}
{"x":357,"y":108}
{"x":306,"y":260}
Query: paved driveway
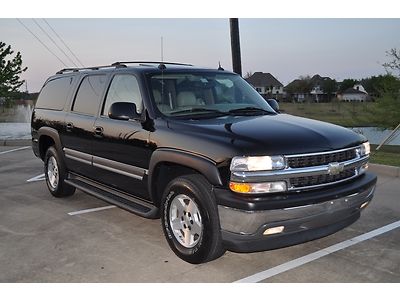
{"x":41,"y":241}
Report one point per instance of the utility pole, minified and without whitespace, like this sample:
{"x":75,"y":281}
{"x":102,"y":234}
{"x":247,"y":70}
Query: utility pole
{"x":235,"y":46}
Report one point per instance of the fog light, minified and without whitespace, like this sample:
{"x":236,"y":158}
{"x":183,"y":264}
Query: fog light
{"x":364,"y":205}
{"x":257,"y":188}
{"x":274,"y":230}
{"x":364,"y":168}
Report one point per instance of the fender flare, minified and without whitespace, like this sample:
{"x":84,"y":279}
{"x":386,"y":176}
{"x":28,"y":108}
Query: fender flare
{"x":53,"y":133}
{"x":201,"y":164}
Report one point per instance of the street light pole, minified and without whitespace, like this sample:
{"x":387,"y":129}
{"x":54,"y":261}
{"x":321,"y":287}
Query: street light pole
{"x":235,"y":46}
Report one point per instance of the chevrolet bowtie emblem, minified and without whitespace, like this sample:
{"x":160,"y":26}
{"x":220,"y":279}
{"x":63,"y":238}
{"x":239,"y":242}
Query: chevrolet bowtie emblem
{"x":335,"y":168}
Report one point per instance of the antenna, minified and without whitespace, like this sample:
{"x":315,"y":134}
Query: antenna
{"x":162,"y":48}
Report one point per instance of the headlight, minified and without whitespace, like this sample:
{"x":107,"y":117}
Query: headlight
{"x":257,"y":163}
{"x":365,"y":149}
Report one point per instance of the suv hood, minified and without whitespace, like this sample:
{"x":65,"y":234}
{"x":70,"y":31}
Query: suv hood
{"x":263,"y":135}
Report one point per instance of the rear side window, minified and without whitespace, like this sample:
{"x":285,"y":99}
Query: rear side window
{"x":55,"y":93}
{"x":123,"y":88}
{"x":88,"y":99}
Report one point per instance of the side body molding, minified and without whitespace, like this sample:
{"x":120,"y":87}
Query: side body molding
{"x":199,"y":163}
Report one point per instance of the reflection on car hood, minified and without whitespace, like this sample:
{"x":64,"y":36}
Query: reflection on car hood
{"x":267,"y":134}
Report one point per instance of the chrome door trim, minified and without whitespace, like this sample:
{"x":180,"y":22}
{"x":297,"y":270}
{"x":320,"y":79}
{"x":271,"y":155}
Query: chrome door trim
{"x":119,"y":168}
{"x":106,"y":164}
{"x":78,"y":156}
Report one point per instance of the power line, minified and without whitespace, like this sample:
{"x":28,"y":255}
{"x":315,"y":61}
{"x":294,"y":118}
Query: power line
{"x":43,"y":44}
{"x":51,"y":39}
{"x":62,"y":41}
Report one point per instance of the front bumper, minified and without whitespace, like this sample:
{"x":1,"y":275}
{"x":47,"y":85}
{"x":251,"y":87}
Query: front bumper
{"x":243,"y":230}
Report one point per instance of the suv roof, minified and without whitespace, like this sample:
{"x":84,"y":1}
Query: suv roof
{"x":138,"y":64}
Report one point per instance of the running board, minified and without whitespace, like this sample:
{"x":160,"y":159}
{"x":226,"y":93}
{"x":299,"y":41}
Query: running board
{"x":122,"y":200}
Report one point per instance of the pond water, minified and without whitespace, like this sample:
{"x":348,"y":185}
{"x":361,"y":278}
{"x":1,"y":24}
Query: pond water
{"x":15,"y":131}
{"x":376,"y":135}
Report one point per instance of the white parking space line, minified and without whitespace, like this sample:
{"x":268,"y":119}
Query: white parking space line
{"x":318,"y":254}
{"x":12,"y":150}
{"x":37,"y":178}
{"x":85,"y":211}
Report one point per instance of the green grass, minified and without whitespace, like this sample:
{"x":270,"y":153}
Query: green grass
{"x":385,"y":158}
{"x":387,"y":155}
{"x":341,"y":113}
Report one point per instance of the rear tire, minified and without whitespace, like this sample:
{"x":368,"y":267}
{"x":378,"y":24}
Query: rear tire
{"x":190,"y":220}
{"x":55,"y":173}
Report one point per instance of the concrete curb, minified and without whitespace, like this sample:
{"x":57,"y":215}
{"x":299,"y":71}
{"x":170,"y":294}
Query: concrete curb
{"x":26,"y":142}
{"x":384,"y":170}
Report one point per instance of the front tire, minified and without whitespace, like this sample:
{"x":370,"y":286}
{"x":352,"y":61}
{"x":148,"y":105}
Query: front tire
{"x":55,"y":173}
{"x":190,"y":219}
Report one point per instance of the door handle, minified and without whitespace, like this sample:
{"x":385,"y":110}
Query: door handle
{"x":98,"y":131}
{"x":69,"y":126}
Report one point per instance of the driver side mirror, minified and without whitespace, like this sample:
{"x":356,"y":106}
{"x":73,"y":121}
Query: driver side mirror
{"x":274,"y":104}
{"x":123,"y":111}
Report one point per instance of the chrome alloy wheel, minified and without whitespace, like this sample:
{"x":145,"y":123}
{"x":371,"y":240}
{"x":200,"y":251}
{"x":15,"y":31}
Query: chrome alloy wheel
{"x":185,"y":220}
{"x":52,"y":172}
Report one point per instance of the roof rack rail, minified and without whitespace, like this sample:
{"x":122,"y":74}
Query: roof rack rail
{"x":121,"y":64}
{"x":150,"y":62}
{"x":89,"y":68}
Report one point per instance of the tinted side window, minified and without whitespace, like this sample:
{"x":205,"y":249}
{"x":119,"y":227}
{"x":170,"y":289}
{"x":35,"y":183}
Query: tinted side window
{"x":123,"y":88}
{"x":55,"y":93}
{"x":88,"y":99}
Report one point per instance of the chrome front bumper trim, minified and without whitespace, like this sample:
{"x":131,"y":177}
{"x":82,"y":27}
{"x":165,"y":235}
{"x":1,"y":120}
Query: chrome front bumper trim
{"x":248,"y":222}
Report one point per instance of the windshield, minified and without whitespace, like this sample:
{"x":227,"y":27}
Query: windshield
{"x":205,"y":94}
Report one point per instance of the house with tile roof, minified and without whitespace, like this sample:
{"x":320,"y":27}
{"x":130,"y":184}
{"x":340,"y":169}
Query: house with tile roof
{"x":266,"y":84}
{"x":310,"y":89}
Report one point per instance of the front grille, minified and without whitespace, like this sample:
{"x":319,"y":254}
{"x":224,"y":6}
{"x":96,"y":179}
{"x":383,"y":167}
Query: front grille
{"x":312,"y":170}
{"x":321,"y":159}
{"x":306,"y":181}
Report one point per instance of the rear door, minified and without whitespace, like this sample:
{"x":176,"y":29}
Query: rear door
{"x":121,"y":149}
{"x":78,"y":135}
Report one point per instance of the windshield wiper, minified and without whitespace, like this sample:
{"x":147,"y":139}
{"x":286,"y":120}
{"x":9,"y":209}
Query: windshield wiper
{"x":250,"y":109}
{"x":197,"y":109}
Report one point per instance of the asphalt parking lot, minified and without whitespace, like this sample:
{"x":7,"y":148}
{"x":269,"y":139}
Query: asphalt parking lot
{"x":45,"y":239}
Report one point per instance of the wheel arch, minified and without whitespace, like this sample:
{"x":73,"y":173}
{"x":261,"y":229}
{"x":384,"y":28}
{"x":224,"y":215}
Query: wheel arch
{"x":170,"y":163}
{"x":48,"y":137}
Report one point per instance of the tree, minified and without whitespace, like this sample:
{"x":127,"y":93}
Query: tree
{"x":345,"y":84}
{"x":377,"y":85}
{"x":394,"y":64}
{"x":302,"y":85}
{"x":10,"y":71}
{"x":248,"y":74}
{"x":385,"y":112}
{"x":329,"y":86}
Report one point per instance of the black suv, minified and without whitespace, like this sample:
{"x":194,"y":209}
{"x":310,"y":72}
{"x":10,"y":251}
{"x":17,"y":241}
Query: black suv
{"x":201,"y":149}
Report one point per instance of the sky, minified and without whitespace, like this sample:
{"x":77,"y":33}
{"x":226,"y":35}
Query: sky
{"x":286,"y":48}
